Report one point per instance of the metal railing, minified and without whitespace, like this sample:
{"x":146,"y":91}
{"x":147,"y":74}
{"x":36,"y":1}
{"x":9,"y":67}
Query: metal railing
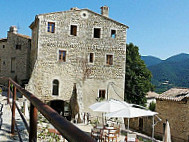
{"x":69,"y":131}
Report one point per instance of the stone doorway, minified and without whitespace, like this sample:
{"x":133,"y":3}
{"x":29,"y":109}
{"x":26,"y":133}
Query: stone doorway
{"x":62,"y":107}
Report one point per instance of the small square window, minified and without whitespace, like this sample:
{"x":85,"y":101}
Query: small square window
{"x":51,"y":27}
{"x":18,"y":47}
{"x":97,"y":32}
{"x":3,"y":46}
{"x":73,"y":30}
{"x":91,"y":57}
{"x":113,"y":33}
{"x":101,"y":94}
{"x":62,"y":55}
{"x":109,"y":59}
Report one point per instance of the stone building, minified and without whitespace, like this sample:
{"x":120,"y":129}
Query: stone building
{"x":77,"y":47}
{"x":14,"y":56}
{"x":151,"y":97}
{"x":173,"y":105}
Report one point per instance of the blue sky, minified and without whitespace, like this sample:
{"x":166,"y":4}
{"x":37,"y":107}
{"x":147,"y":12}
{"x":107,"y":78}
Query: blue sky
{"x":158,"y":27}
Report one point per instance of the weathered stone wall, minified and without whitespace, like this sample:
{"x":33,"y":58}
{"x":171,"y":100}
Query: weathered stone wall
{"x":88,"y":77}
{"x":3,"y":46}
{"x":147,"y":124}
{"x":21,"y":57}
{"x":177,"y":114}
{"x":33,"y":52}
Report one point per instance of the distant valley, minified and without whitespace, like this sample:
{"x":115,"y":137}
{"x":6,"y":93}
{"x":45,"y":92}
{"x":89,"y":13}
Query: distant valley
{"x":172,"y":72}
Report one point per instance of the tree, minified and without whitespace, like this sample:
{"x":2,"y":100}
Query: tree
{"x":152,"y":106}
{"x":137,"y":77}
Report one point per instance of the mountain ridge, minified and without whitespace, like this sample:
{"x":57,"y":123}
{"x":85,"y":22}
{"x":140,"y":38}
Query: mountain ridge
{"x":172,"y":72}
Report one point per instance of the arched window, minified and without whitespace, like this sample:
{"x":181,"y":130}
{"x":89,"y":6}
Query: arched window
{"x":55,"y":87}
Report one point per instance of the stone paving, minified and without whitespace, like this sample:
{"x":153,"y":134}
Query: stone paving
{"x":5,"y":135}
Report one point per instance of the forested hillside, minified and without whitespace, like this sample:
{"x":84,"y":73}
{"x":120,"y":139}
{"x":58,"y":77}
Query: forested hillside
{"x":172,"y":72}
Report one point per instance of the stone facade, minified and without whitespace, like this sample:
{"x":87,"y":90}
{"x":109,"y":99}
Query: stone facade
{"x":14,"y":56}
{"x":90,"y":77}
{"x":176,"y":111}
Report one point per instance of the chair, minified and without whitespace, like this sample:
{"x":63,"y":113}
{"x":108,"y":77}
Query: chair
{"x":111,"y":135}
{"x":117,"y":126}
{"x":97,"y":134}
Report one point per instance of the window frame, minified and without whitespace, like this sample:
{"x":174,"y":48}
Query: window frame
{"x":55,"y":89}
{"x":100,"y":90}
{"x":50,"y":30}
{"x":18,"y":47}
{"x":89,"y":59}
{"x":111,"y":35}
{"x":112,"y":62}
{"x":99,"y":33}
{"x":13,"y":70}
{"x":62,"y":51}
{"x":72,"y":32}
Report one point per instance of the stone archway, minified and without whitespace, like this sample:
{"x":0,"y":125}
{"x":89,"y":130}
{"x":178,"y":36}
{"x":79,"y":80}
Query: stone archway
{"x":62,"y":107}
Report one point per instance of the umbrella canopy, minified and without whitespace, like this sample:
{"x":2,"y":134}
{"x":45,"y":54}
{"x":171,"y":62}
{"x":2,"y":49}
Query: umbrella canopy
{"x":167,"y":137}
{"x":109,"y":106}
{"x":131,"y":112}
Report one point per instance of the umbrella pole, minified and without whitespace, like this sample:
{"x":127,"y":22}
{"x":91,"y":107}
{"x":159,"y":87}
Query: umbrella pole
{"x":102,"y":119}
{"x":153,"y":129}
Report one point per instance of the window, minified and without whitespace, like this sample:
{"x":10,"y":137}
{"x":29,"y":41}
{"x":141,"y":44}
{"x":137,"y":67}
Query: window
{"x":113,"y":33}
{"x":109,"y":59}
{"x":55,"y":87}
{"x":62,"y":55}
{"x":18,"y":47}
{"x":3,"y":46}
{"x":91,"y":57}
{"x":13,"y":64}
{"x":101,"y":94}
{"x":51,"y":27}
{"x":96,"y":32}
{"x":73,"y":30}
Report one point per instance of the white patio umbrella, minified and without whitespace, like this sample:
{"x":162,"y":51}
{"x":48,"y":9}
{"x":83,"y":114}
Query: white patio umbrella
{"x":167,"y":136}
{"x":109,"y":106}
{"x":131,"y":112}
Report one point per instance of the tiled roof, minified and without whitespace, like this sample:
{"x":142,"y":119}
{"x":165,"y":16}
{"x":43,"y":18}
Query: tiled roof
{"x":3,"y":39}
{"x":152,"y":95}
{"x":175,"y":94}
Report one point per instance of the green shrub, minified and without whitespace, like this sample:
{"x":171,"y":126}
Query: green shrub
{"x":152,"y":106}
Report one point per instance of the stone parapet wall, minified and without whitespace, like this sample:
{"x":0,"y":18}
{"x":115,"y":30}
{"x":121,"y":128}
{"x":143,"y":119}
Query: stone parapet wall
{"x":177,"y":114}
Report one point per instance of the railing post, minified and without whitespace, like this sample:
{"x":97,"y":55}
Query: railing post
{"x":13,"y":111}
{"x":33,"y":123}
{"x":8,"y":92}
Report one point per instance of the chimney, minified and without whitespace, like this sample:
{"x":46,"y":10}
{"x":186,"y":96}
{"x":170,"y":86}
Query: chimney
{"x":105,"y":11}
{"x":74,"y":8}
{"x":13,"y":29}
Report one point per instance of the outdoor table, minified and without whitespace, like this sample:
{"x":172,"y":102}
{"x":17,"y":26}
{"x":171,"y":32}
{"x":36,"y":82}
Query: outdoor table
{"x":110,"y":128}
{"x":99,"y":127}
